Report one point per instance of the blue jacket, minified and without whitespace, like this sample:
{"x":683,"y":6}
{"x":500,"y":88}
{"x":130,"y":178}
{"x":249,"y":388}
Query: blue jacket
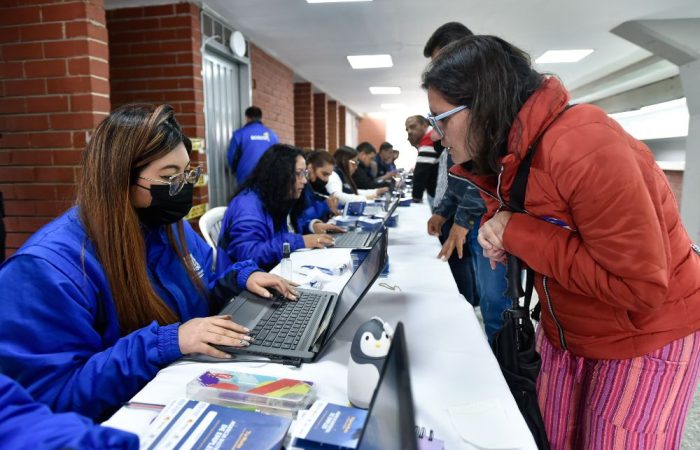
{"x":59,"y":330}
{"x":313,"y":208}
{"x":26,"y":424}
{"x":248,"y":232}
{"x":382,"y":167}
{"x":248,"y":144}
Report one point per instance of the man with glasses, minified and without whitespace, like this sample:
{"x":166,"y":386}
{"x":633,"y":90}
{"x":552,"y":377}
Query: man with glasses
{"x":426,"y":169}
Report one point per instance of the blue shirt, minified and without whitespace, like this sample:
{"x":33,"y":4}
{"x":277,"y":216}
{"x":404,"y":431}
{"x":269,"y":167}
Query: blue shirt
{"x":25,"y":423}
{"x":248,"y":144}
{"x":59,"y":331}
{"x":382,"y":167}
{"x":248,"y":232}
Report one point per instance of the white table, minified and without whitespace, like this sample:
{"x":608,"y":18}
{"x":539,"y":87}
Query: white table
{"x":451,"y":364}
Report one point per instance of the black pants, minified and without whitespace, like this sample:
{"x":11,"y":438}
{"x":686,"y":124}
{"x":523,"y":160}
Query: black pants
{"x":462,"y":269}
{"x":424,"y":179}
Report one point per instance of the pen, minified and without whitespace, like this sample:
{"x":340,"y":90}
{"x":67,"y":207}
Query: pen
{"x":141,"y":405}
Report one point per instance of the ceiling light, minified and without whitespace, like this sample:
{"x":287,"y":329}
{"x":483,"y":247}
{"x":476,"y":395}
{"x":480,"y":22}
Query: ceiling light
{"x":563,"y":56}
{"x":370,"y":61}
{"x":385,"y":90}
{"x":392,"y":106}
{"x":336,"y":1}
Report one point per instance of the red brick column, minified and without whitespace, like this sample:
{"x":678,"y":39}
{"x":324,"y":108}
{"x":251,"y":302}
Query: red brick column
{"x":273,"y":92}
{"x":303,"y":115}
{"x":155,"y":58}
{"x":332,"y":125}
{"x":54,"y":89}
{"x":320,"y":122}
{"x":341,"y":125}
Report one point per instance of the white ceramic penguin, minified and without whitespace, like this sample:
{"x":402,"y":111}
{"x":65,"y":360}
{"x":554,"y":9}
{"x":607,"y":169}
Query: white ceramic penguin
{"x":367,"y":353}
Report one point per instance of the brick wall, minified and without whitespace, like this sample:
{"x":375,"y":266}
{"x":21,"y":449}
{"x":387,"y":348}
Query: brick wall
{"x":155,"y":57}
{"x":321,"y":121}
{"x":273,"y":92}
{"x":341,"y":125}
{"x":303,"y":115}
{"x":372,"y":130}
{"x":675,"y":179}
{"x":332,"y":115}
{"x":54,"y":89}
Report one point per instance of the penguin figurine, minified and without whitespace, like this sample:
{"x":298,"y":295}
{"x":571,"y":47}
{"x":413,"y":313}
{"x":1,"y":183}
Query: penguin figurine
{"x":367,"y":353}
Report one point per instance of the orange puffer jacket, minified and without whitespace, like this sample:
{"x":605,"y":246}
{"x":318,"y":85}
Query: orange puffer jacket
{"x":616,"y":274}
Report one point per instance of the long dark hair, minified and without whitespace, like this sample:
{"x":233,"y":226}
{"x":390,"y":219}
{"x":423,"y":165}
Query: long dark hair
{"x":124,"y":143}
{"x":492,"y":77}
{"x":342,"y":162}
{"x":273,"y":180}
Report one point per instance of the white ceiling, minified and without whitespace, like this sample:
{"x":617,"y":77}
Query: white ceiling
{"x":313,"y":39}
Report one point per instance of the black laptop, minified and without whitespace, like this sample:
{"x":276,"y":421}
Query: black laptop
{"x":298,"y":331}
{"x":390,"y":422}
{"x":363,"y":239}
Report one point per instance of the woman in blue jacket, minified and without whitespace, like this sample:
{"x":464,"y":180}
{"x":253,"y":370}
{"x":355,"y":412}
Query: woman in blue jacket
{"x":258,"y":220}
{"x":26,"y":424}
{"x":98,"y":300}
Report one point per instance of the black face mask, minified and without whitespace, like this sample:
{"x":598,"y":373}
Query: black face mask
{"x":165,"y":209}
{"x":319,"y":186}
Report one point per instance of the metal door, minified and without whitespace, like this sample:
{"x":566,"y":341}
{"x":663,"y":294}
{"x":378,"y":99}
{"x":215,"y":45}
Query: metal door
{"x":222,"y":109}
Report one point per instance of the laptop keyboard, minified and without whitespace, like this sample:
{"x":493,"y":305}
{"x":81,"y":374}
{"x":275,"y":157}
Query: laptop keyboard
{"x":284,"y":326}
{"x":354,"y":239}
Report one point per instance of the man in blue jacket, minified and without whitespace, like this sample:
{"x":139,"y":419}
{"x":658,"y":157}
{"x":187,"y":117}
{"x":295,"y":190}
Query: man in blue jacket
{"x":249,"y":143}
{"x":25,"y":423}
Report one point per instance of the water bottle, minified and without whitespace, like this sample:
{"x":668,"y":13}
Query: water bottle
{"x":286,"y":263}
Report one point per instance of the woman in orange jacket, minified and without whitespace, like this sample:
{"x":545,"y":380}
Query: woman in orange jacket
{"x":617,"y":274}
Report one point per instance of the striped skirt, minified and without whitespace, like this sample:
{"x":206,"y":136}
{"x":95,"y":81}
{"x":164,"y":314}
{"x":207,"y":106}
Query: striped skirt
{"x":639,"y":403}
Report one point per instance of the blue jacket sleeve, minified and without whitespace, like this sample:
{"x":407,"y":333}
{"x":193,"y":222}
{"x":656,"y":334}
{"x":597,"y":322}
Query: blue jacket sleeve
{"x":248,"y":239}
{"x":53,"y":341}
{"x":317,"y":210}
{"x":448,"y":205}
{"x":25,"y":423}
{"x":227,"y":283}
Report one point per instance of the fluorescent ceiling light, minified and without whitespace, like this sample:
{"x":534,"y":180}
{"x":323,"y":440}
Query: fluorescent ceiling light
{"x":336,"y":1}
{"x":370,"y":61}
{"x":385,"y":90}
{"x":563,"y":56}
{"x":392,"y":106}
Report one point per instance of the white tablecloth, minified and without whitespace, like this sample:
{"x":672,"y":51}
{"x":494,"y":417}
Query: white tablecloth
{"x":458,"y":389}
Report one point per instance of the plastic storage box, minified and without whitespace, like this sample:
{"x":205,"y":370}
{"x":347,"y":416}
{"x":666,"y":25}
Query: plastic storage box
{"x":252,"y":392}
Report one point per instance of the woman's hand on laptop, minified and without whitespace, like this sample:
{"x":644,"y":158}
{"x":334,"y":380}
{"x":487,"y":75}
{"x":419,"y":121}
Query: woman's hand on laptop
{"x":317,"y":241}
{"x":322,"y":228}
{"x":259,"y":281}
{"x":198,"y":335}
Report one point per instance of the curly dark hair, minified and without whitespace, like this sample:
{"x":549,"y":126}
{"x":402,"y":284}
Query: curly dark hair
{"x":494,"y":78}
{"x":273,"y":180}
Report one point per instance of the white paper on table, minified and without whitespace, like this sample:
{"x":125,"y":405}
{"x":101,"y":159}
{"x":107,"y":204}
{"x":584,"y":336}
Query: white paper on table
{"x":480,"y":424}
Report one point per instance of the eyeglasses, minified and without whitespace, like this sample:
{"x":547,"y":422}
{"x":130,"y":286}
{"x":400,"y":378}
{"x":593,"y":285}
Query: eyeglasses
{"x":302,"y":174}
{"x":177,"y":181}
{"x":353,"y":162}
{"x":435,"y":119}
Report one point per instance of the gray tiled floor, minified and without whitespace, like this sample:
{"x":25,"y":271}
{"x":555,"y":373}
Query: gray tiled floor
{"x":691,"y":435}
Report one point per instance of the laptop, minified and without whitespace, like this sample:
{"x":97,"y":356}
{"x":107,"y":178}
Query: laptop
{"x":295,"y":332}
{"x":363,"y":239}
{"x":390,"y":420}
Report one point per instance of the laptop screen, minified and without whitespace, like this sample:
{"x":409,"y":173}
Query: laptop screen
{"x":390,"y":420}
{"x":359,"y":283}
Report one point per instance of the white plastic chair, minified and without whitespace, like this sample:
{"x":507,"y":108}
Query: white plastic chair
{"x":210,"y":226}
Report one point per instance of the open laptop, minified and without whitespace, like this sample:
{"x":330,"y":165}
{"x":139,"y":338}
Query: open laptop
{"x":363,"y":239}
{"x":299,"y":331}
{"x":390,"y":420}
